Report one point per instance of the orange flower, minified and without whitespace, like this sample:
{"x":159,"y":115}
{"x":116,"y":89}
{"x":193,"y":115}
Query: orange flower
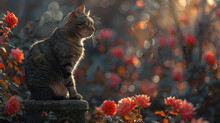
{"x":186,"y":110}
{"x":12,"y":106}
{"x":11,"y":19}
{"x":190,"y":39}
{"x":17,"y":54}
{"x":142,"y":100}
{"x":109,"y":107}
{"x":210,"y":58}
{"x":125,"y":106}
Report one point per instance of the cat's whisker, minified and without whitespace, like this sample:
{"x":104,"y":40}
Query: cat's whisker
{"x":94,"y":40}
{"x":97,"y":20}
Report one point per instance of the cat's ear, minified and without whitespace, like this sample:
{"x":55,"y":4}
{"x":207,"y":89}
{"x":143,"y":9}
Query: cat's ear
{"x":88,"y":13}
{"x":80,"y":10}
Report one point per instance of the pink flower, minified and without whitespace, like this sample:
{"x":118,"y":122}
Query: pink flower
{"x":142,"y":100}
{"x":12,"y":106}
{"x":17,"y":54}
{"x":184,"y":18}
{"x":115,"y":79}
{"x":117,"y":52}
{"x":109,"y":107}
{"x":11,"y":19}
{"x":105,"y":34}
{"x":210,"y":58}
{"x":125,"y":106}
{"x":190,"y":39}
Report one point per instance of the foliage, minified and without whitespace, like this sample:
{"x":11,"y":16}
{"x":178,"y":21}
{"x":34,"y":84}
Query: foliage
{"x":152,"y":47}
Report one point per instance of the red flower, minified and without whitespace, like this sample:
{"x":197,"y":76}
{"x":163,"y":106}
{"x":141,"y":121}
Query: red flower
{"x":190,"y":39}
{"x":2,"y":65}
{"x":184,"y":18}
{"x":177,"y":76}
{"x":217,"y":12}
{"x":171,"y":41}
{"x":11,"y":19}
{"x":117,"y":51}
{"x":109,"y":107}
{"x":17,"y":54}
{"x":210,"y":58}
{"x":12,"y":106}
{"x":162,"y":40}
{"x":98,"y":113}
{"x":44,"y":114}
{"x":125,"y":106}
{"x":142,"y":100}
{"x":186,"y":110}
{"x":105,"y":34}
{"x":115,"y":79}
{"x":172,"y":30}
{"x":22,"y":74}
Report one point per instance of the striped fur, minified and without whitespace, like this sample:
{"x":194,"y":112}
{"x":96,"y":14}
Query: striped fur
{"x":50,"y":63}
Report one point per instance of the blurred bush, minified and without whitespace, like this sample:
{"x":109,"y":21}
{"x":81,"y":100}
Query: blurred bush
{"x":154,"y":47}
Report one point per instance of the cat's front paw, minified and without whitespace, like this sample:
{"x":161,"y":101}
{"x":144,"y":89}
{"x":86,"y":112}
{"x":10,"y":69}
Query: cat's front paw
{"x":76,"y":97}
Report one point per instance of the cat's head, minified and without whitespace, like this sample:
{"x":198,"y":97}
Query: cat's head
{"x":80,"y":22}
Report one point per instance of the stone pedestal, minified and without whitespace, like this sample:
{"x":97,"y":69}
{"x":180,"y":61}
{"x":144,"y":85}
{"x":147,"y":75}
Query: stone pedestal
{"x":73,"y":111}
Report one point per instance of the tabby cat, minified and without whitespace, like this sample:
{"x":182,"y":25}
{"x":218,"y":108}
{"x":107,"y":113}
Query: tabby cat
{"x":50,"y":63}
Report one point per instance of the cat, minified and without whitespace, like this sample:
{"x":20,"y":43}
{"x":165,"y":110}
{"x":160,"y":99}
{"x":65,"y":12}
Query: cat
{"x":50,"y":63}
